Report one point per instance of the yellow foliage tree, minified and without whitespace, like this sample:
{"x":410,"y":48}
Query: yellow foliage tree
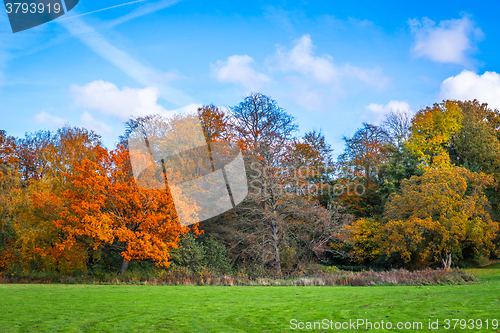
{"x":363,"y":234}
{"x":437,"y":215}
{"x":431,"y":133}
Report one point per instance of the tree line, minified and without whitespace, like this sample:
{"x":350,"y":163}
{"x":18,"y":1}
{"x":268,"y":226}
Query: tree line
{"x":417,"y":191}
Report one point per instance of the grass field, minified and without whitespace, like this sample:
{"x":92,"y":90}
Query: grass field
{"x":99,"y":308}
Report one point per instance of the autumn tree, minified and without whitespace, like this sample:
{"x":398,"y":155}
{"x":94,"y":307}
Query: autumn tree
{"x":30,"y":153}
{"x":401,"y":162}
{"x":282,"y":223}
{"x":278,"y":213}
{"x":264,"y":131}
{"x":216,"y":124}
{"x":432,"y":131}
{"x":438,"y":216}
{"x":9,"y":186}
{"x":364,"y":152}
{"x":359,"y":169}
{"x":105,"y":209}
{"x":476,"y":146}
{"x":7,"y":148}
{"x":38,"y":163}
{"x":364,"y":237}
{"x":54,"y":155}
{"x":310,"y":163}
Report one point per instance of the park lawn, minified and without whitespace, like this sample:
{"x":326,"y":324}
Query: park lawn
{"x":128,"y":308}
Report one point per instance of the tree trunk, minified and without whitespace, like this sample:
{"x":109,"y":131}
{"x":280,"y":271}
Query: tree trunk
{"x":277,"y":259}
{"x":446,"y":261}
{"x":124,"y":267}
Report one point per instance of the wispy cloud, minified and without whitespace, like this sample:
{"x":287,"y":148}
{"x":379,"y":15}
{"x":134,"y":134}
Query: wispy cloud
{"x":102,"y":9}
{"x":301,"y":59}
{"x":53,"y":122}
{"x":238,"y":69}
{"x":21,"y":50}
{"x":97,"y":126}
{"x":131,"y":67}
{"x":377,"y":112}
{"x":13,"y":46}
{"x":279,"y":16}
{"x":148,"y":8}
{"x":450,"y":41}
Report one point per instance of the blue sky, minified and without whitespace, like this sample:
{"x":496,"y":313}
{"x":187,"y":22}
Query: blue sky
{"x":331,"y":64}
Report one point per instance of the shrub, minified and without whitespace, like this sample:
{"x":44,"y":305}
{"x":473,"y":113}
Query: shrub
{"x":216,"y":258}
{"x":331,"y":269}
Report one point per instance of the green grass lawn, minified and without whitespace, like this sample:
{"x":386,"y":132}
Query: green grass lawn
{"x":98,"y":308}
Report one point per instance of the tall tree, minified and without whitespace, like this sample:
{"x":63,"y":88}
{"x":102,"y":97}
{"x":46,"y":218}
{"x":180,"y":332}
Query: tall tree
{"x":365,"y":152}
{"x":263,"y":127}
{"x":30,"y":153}
{"x":401,"y":163}
{"x":265,"y":131}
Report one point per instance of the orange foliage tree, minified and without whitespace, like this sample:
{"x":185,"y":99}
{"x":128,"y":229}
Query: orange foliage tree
{"x":105,"y":210}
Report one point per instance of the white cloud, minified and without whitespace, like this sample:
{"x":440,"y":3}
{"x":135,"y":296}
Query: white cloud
{"x":108,"y":99}
{"x":124,"y":103}
{"x":312,"y":81}
{"x":50,"y":120}
{"x":447,"y":42}
{"x":97,"y":126}
{"x":238,"y":69}
{"x":301,"y":59}
{"x":378,"y":111}
{"x":188,"y":109}
{"x":316,"y":81}
{"x":469,"y":86}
